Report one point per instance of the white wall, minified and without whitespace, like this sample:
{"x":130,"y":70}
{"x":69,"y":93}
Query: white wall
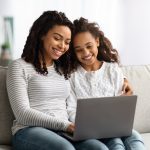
{"x":125,"y":22}
{"x":135,"y":39}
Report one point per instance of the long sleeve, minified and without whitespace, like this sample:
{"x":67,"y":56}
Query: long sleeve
{"x":72,"y":102}
{"x":17,"y":87}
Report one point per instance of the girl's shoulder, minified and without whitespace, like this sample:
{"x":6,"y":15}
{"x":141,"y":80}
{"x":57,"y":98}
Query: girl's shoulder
{"x":111,"y":66}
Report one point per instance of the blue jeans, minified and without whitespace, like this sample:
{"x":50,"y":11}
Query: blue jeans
{"x":134,"y":142}
{"x":114,"y":143}
{"x":38,"y":138}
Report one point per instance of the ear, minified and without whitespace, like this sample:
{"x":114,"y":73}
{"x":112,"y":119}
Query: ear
{"x":97,"y":41}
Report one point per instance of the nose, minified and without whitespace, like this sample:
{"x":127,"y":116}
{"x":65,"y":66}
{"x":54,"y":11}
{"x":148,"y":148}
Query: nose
{"x":85,"y":51}
{"x":62,"y":45}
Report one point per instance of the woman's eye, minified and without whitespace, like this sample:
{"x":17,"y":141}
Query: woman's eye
{"x":56,"y":38}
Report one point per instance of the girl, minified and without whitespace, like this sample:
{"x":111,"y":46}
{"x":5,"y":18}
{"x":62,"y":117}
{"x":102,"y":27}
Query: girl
{"x":97,"y":74}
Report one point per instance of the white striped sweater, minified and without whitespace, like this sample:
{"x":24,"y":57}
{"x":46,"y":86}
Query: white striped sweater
{"x":37,"y":100}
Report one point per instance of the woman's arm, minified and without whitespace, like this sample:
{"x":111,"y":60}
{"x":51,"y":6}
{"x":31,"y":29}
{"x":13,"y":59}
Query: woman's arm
{"x":18,"y":95}
{"x":127,"y":88}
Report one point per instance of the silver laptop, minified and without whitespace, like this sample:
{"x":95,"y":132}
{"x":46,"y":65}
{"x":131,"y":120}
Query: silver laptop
{"x":104,"y":117}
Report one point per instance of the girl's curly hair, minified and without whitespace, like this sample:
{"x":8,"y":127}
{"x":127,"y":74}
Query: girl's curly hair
{"x":33,"y":48}
{"x":105,"y":50}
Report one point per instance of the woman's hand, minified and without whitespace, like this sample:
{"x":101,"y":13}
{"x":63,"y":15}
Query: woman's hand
{"x":71,"y":128}
{"x":127,"y":89}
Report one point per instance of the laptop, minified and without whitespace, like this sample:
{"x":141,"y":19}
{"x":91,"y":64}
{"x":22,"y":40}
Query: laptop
{"x":104,"y":117}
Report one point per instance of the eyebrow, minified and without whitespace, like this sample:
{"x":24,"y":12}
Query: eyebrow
{"x":61,"y":35}
{"x":76,"y":47}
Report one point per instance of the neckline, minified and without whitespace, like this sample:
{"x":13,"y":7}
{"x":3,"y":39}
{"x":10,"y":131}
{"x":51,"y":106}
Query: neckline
{"x":51,"y":66}
{"x":91,"y":72}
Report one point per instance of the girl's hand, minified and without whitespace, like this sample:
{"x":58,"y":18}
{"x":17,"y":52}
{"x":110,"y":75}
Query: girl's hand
{"x":71,"y":128}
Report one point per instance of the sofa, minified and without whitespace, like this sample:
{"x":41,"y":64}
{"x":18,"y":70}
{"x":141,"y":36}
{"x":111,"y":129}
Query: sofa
{"x":138,"y":76}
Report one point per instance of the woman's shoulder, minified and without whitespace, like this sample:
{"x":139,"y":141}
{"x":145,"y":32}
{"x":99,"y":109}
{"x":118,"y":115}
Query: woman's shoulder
{"x":19,"y":62}
{"x":20,"y":66}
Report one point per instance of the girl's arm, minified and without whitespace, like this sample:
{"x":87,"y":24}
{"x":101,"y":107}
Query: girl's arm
{"x":72,"y":102}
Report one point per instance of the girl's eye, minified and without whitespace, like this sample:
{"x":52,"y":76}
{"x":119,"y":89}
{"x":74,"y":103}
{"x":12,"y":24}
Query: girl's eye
{"x":78,"y":50}
{"x":89,"y":46}
{"x":67,"y":43}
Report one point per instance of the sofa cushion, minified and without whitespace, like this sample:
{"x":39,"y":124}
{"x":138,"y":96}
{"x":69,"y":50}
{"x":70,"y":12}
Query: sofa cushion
{"x":139,"y":77}
{"x":6,"y":115}
{"x":146,"y":138}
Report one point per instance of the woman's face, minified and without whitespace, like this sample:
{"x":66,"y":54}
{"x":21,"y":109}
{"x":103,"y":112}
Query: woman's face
{"x":85,"y":46}
{"x":56,"y":43}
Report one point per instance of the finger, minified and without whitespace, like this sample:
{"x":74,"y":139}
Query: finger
{"x":129,"y":92}
{"x":124,"y":88}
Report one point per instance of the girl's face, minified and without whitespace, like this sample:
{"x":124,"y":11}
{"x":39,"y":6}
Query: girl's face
{"x":56,"y":43}
{"x":85,"y":46}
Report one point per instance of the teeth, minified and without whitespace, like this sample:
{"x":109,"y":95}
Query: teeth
{"x":88,"y":57}
{"x":57,"y":52}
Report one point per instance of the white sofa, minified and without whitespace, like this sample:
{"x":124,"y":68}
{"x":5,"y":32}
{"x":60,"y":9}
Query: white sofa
{"x":139,"y":77}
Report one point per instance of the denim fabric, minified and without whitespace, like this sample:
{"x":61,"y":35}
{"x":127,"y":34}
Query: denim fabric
{"x":114,"y":144}
{"x":91,"y":144}
{"x":134,"y":142}
{"x":38,"y":138}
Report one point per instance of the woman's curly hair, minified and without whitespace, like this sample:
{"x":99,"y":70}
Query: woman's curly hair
{"x":105,"y":49}
{"x":33,"y":48}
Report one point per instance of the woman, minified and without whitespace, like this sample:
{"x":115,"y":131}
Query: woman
{"x":37,"y":85}
{"x":97,"y":74}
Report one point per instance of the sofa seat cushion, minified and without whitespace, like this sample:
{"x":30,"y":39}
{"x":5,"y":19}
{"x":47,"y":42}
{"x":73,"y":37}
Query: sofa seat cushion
{"x":6,"y":115}
{"x":146,"y":138}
